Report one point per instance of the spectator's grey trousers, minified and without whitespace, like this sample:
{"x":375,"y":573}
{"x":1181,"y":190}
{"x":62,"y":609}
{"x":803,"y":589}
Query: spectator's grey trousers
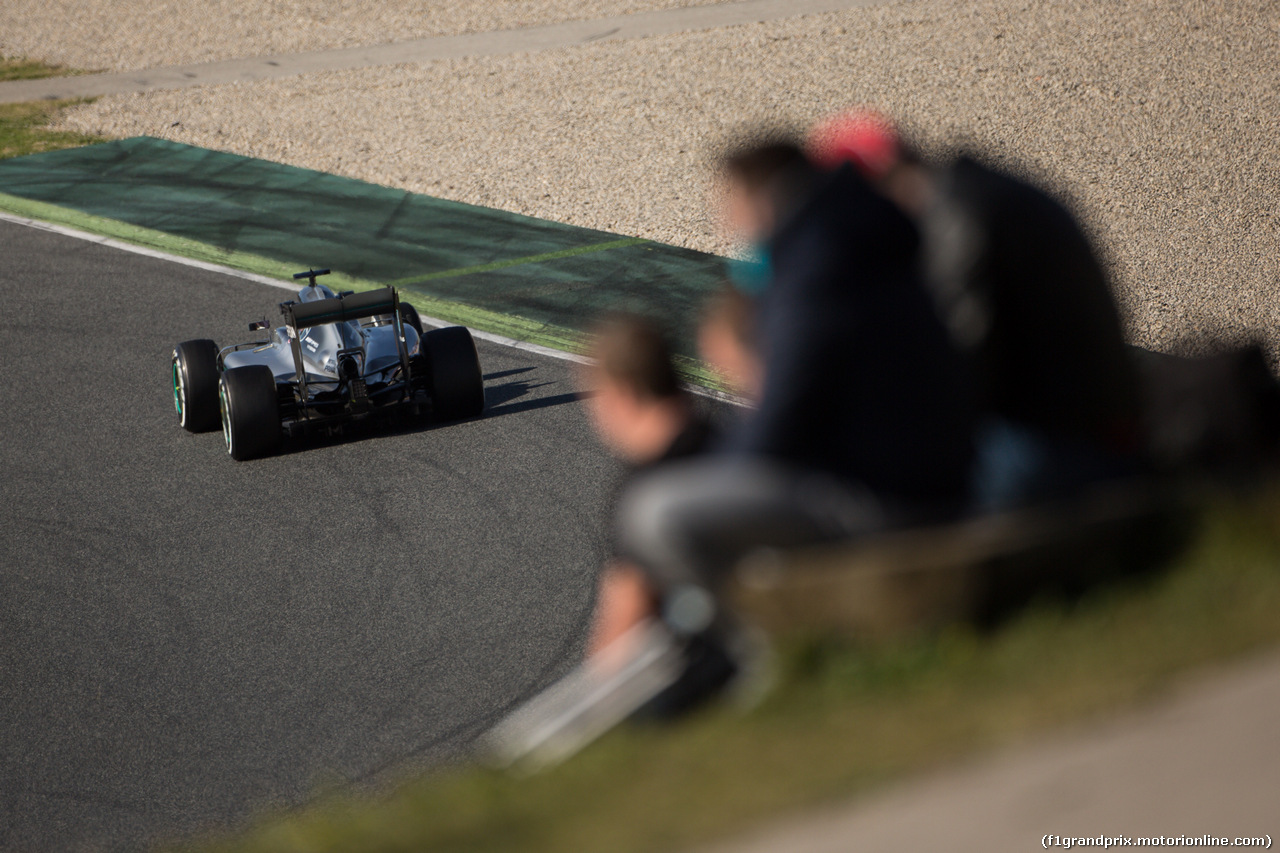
{"x":689,"y":523}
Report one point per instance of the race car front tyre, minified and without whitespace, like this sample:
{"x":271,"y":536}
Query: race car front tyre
{"x":453,"y":366}
{"x":250,"y":411}
{"x":195,"y":384}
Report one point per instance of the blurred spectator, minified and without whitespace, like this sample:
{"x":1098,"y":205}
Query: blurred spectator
{"x":1022,"y":291}
{"x":644,"y":416}
{"x":858,"y":378}
{"x":863,"y":417}
{"x":727,"y":341}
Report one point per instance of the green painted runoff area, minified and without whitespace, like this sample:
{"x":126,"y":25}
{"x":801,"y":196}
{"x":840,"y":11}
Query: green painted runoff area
{"x":519,"y":276}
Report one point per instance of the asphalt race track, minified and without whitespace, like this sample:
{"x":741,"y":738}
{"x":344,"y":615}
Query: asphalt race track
{"x":188,"y":640}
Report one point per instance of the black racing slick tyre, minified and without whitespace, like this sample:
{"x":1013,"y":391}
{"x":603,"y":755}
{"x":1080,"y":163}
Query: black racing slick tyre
{"x":453,"y":366}
{"x":195,"y":385}
{"x":250,"y":411}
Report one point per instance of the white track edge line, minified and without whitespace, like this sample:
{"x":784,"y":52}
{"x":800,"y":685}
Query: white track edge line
{"x":500,"y":340}
{"x":90,"y":237}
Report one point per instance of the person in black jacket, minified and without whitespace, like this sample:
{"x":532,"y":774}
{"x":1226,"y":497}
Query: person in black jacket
{"x":1024,"y":294}
{"x":864,"y":417}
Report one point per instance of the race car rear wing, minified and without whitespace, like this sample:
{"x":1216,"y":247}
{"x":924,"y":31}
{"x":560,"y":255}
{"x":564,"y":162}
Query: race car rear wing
{"x":338,"y":309}
{"x":347,"y":306}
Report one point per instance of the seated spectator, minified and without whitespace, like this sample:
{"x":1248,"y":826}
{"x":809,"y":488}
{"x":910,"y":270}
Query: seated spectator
{"x":1023,"y":294}
{"x":864,"y":416}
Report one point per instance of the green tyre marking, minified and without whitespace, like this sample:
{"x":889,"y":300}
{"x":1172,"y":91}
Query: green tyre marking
{"x":178,"y":390}
{"x":226,"y":413}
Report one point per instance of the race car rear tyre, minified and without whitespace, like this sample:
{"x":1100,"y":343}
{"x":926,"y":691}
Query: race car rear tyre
{"x":250,"y":411}
{"x":195,"y":384}
{"x":455,"y":380}
{"x":409,"y":317}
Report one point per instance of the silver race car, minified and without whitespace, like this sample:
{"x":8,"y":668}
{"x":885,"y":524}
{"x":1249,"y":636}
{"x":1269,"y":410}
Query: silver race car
{"x":339,"y":358}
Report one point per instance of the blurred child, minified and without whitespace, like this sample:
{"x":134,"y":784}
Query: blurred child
{"x":645,"y":417}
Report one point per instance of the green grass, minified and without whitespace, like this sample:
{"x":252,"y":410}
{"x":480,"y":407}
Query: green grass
{"x":842,"y":719}
{"x":24,"y":126}
{"x":17,"y":68}
{"x":24,"y":129}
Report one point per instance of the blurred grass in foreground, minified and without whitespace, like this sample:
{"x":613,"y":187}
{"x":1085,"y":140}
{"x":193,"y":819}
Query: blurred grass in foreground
{"x":24,"y":126}
{"x":841,"y":719}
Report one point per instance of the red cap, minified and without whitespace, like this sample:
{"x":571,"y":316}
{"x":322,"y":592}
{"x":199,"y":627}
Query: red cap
{"x":864,"y":138}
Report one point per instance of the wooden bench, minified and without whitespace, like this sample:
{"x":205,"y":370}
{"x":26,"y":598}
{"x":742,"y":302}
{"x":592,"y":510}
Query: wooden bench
{"x":976,"y":570}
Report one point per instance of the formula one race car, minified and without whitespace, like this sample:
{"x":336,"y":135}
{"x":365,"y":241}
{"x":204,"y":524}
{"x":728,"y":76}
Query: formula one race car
{"x":339,"y":358}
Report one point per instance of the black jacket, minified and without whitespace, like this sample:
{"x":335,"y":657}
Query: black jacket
{"x":1025,"y":292}
{"x":861,"y":379}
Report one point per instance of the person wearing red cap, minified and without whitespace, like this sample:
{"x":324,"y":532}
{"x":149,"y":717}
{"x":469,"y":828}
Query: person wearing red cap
{"x":1022,"y":291}
{"x":864,"y":138}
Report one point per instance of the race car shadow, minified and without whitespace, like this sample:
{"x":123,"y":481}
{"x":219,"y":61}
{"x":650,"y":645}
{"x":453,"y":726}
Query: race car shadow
{"x":498,"y":402}
{"x":496,"y":395}
{"x":498,"y":398}
{"x":503,"y":374}
{"x":530,"y":405}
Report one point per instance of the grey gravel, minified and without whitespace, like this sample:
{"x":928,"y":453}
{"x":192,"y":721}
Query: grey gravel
{"x":105,"y":35}
{"x":1159,"y":121}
